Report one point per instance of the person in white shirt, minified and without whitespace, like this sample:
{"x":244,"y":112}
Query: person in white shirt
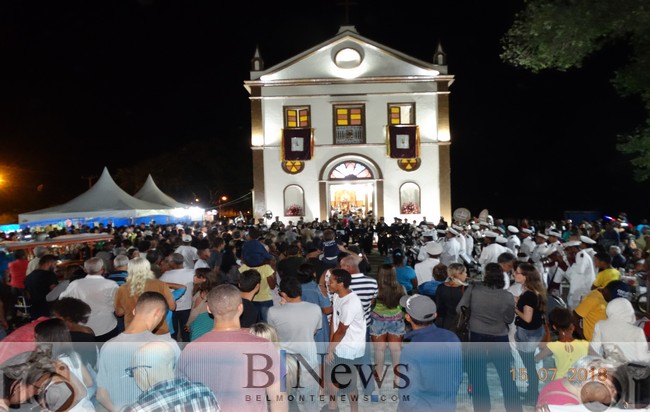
{"x":99,"y":293}
{"x":580,"y":273}
{"x":491,"y":249}
{"x":460,"y":237}
{"x":538,"y":255}
{"x":617,"y":337}
{"x":188,"y":251}
{"x":469,"y":243}
{"x":514,"y":242}
{"x":180,"y":275}
{"x":424,"y":269}
{"x":527,"y":242}
{"x":450,"y":248}
{"x":587,"y":246}
{"x":348,"y":342}
{"x":554,"y":241}
{"x":428,"y":236}
{"x":203,"y":256}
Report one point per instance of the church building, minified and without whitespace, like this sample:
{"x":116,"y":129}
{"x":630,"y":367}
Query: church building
{"x":351,"y":126}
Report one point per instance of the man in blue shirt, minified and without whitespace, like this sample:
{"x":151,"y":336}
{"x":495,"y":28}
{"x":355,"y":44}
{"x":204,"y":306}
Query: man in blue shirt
{"x":429,"y":374}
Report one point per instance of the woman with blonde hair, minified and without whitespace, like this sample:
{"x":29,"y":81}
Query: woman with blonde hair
{"x":387,"y":327}
{"x":141,"y":279}
{"x":529,"y":310}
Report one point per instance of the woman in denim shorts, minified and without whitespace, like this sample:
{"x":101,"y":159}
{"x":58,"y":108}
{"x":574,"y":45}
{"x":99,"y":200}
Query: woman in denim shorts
{"x":387,"y":327}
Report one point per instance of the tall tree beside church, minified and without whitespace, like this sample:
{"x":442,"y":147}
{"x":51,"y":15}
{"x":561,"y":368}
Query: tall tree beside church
{"x":552,"y":34}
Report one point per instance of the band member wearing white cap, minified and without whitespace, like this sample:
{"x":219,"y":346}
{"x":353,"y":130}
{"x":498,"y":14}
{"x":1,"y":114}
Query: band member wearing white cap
{"x":424,"y":269}
{"x":428,"y":236}
{"x":513,"y":243}
{"x":460,"y":238}
{"x":579,"y":272}
{"x":491,"y":249}
{"x":527,"y":242}
{"x":587,"y":245}
{"x":554,"y":240}
{"x":537,"y":255}
{"x":469,"y":242}
{"x":477,"y":236}
{"x":450,"y":248}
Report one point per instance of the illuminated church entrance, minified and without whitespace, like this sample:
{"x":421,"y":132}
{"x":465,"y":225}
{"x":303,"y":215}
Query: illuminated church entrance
{"x":351,"y":190}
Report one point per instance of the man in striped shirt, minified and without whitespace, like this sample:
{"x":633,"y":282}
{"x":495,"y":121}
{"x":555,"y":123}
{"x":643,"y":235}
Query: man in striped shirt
{"x":364,"y":286}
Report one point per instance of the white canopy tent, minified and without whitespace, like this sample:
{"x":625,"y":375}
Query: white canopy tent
{"x":105,"y":199}
{"x":150,"y":192}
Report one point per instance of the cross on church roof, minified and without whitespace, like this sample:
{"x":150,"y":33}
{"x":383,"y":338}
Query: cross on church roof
{"x":346,"y":4}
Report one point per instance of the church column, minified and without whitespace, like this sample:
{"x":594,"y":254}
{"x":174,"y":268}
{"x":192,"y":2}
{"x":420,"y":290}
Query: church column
{"x":324,"y":205}
{"x":257,"y":147}
{"x":444,"y":150}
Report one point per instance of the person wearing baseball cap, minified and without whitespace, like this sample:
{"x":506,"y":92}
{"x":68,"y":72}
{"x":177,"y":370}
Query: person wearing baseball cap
{"x":428,"y":348}
{"x":189,"y":252}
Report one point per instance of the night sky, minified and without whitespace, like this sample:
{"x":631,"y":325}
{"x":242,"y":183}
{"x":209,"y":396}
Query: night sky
{"x":88,"y":84}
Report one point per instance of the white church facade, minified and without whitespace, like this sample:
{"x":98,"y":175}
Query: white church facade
{"x":351,"y":126}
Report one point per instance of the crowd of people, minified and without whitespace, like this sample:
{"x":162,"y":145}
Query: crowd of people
{"x":248,"y":315}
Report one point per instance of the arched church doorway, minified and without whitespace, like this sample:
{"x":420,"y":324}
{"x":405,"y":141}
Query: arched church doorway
{"x":351,"y":188}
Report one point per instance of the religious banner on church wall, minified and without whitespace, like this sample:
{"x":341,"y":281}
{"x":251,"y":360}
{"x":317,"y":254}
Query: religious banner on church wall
{"x":403,"y":141}
{"x":297,"y":144}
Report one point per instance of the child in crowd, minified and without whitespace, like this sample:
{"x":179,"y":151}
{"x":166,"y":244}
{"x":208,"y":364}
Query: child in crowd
{"x":430,"y":287}
{"x":331,"y":248}
{"x":566,"y":350}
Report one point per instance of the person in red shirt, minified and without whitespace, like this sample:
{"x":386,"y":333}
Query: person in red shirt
{"x":18,"y":272}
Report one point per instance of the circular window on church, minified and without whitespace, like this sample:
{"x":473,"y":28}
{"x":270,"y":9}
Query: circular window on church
{"x":409,"y":165}
{"x":347,"y":58}
{"x":350,"y":171}
{"x":293,"y":166}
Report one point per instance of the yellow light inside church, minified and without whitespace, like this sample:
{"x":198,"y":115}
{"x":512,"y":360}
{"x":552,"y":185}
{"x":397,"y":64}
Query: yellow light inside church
{"x":444,"y":135}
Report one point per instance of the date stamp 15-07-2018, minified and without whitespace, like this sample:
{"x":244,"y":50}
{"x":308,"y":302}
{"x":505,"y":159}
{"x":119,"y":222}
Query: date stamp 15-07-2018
{"x":572,"y":375}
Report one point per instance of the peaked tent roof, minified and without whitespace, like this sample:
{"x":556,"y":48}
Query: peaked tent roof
{"x":150,"y":192}
{"x":104,"y":199}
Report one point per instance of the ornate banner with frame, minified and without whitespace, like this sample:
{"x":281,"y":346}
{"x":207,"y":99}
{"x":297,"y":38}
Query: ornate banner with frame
{"x":403,"y":141}
{"x":297,"y":144}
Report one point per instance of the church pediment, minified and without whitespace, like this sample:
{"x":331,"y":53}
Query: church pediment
{"x":346,"y":56}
